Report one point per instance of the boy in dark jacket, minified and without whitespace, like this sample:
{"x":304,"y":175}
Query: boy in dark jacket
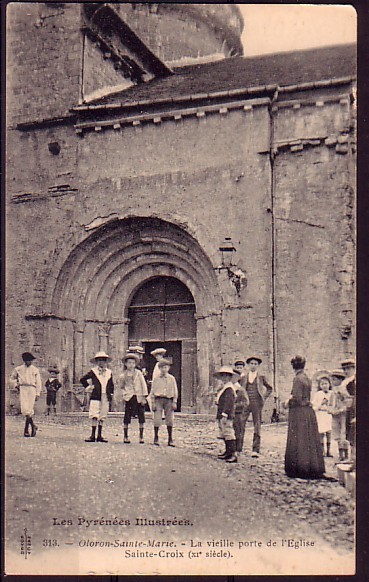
{"x":225,"y":401}
{"x":241,"y":405}
{"x":99,"y":382}
{"x":52,"y":386}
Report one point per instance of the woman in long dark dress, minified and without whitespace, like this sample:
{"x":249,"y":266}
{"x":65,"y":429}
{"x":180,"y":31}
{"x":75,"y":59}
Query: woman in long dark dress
{"x":304,"y":454}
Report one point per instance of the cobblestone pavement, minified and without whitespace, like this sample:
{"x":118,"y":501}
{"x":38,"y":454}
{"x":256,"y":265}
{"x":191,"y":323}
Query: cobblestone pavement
{"x":57,"y":476}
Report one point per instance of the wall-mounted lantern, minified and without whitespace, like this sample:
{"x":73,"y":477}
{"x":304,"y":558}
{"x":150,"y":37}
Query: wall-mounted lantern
{"x":236,"y":276}
{"x":227,"y":250}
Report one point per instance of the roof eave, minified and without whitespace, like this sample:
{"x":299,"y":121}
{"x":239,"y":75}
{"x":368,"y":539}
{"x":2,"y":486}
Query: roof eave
{"x":241,"y":92}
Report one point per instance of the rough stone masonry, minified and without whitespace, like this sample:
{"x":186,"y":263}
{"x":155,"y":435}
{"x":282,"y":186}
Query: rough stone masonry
{"x":145,"y":182}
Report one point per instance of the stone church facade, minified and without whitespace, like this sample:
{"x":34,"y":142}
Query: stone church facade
{"x":139,"y":139}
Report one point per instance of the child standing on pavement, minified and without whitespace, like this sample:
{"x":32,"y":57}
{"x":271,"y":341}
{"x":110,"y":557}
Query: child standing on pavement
{"x":225,"y":401}
{"x":320,"y":403}
{"x":134,"y":390}
{"x":164,"y":396}
{"x":27,"y":380}
{"x":241,"y":404}
{"x":99,"y":382}
{"x":52,"y":386}
{"x":337,"y":407}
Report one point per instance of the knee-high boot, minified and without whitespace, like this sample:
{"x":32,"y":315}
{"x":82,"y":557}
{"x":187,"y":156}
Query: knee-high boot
{"x":100,"y":438}
{"x":26,"y":427}
{"x":233,"y":455}
{"x":141,"y":428}
{"x":170,"y":436}
{"x":125,"y":431}
{"x":156,"y":435}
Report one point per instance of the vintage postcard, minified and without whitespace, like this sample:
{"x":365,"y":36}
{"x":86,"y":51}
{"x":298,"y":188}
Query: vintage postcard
{"x":180,"y":289}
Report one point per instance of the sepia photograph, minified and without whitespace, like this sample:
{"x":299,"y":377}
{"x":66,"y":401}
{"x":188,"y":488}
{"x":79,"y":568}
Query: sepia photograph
{"x":180,"y":333}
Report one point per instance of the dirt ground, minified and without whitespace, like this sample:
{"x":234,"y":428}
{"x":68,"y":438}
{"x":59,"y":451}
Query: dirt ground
{"x":64,"y":491}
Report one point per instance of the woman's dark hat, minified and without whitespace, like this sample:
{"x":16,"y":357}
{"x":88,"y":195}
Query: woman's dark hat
{"x":27,"y":357}
{"x":259,"y":360}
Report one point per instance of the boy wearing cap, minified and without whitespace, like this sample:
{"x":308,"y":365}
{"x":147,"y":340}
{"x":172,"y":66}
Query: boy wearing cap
{"x":164,"y":396}
{"x":241,"y":404}
{"x":134,"y":390}
{"x":225,"y":401}
{"x":52,"y":386}
{"x":258,"y":390}
{"x":99,"y":382}
{"x":26,"y":378}
{"x":337,"y":406}
{"x":140,"y":352}
{"x":159,"y":355}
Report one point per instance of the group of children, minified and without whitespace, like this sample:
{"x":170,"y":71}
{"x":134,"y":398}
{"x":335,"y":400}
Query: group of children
{"x":334,"y":404}
{"x":241,"y":392}
{"x":162,"y":400}
{"x":99,"y":385}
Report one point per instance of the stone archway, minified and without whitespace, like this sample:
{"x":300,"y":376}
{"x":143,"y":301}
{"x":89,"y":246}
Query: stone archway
{"x":95,"y":287}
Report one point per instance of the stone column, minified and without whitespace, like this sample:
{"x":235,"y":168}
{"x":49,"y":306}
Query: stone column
{"x":79,"y":329}
{"x":103,"y":333}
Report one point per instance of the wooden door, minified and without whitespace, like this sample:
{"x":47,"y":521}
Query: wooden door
{"x":162,"y":314}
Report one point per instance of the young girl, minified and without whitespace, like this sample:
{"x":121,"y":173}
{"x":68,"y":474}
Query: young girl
{"x":134,"y":391}
{"x":320,"y":403}
{"x":337,"y":407}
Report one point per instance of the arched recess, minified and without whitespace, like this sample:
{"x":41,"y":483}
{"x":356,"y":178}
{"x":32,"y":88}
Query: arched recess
{"x":95,"y":286}
{"x":161,"y":314}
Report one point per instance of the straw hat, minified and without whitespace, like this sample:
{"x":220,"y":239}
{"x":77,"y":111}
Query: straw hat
{"x":137,"y":349}
{"x":100,"y":355}
{"x":131,"y":356}
{"x":53,"y":369}
{"x":158,"y":351}
{"x":226,"y":370}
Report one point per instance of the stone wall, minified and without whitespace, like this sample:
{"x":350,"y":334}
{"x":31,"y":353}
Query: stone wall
{"x":168,"y":171}
{"x":44,"y":60}
{"x":314,"y":244}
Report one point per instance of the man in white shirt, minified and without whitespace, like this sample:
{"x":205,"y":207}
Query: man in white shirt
{"x":28,"y":380}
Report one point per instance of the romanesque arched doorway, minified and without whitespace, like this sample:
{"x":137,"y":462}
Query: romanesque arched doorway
{"x":106,"y":278}
{"x":162,"y":313}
